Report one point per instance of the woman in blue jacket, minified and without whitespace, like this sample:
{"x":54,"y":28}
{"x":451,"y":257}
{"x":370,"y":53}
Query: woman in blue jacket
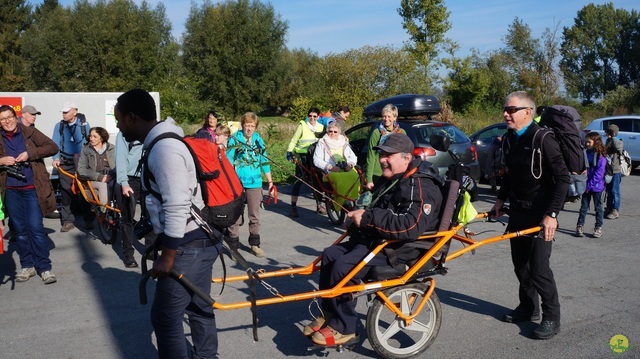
{"x":248,"y":154}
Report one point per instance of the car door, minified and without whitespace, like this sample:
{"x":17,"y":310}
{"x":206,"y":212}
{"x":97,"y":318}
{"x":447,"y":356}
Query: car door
{"x":358,"y":136}
{"x":629,"y":133}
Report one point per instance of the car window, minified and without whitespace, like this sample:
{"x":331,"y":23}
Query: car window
{"x":636,"y":125}
{"x":359,"y":139}
{"x":424,"y":132}
{"x":489,"y":135}
{"x":624,"y":124}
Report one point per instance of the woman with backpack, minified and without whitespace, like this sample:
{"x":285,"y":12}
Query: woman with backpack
{"x":248,"y":154}
{"x":597,"y":157}
{"x":614,"y":148}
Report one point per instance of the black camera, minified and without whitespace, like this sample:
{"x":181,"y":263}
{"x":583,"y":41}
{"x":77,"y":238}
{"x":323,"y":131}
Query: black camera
{"x":15,"y":171}
{"x":142,"y":227}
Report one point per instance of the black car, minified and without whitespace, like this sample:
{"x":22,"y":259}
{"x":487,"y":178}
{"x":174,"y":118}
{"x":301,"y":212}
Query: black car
{"x":482,"y":140}
{"x":414,"y":116}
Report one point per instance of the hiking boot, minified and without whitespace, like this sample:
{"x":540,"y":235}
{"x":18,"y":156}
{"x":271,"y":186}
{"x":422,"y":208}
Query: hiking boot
{"x":294,"y":212}
{"x":48,"y":277}
{"x":257,"y":251}
{"x":597,"y":232}
{"x":579,"y":231}
{"x":321,"y":209}
{"x":518,"y":316}
{"x":67,"y":227}
{"x":316,"y":325}
{"x":613,"y":214}
{"x":546,"y":330}
{"x":25,"y":273}
{"x":330,"y":336}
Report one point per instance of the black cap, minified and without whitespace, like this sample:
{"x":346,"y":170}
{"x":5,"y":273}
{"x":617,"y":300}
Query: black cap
{"x":395,"y":143}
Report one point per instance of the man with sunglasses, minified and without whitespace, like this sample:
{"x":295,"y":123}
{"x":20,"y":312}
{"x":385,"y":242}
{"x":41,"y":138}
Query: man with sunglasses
{"x":69,"y":135}
{"x":535,"y":200}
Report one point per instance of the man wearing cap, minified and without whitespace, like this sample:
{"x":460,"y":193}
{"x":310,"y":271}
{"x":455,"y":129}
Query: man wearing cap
{"x":614,"y":148}
{"x":28,"y":117}
{"x":405,"y":203}
{"x":69,"y":135}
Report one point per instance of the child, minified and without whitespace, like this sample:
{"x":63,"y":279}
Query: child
{"x":222,"y":136}
{"x":597,"y":156}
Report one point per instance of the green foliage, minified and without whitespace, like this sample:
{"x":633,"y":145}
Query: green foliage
{"x":15,"y":18}
{"x":426,"y":22}
{"x":598,"y":51}
{"x":299,"y":109}
{"x":100,"y":46}
{"x":622,"y":100}
{"x":232,"y":52}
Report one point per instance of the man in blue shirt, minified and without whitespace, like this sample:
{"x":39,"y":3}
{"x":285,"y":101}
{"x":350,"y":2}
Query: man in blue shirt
{"x":69,"y":135}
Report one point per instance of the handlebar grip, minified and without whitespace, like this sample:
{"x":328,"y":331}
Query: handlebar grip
{"x":192,"y":287}
{"x":142,"y":287}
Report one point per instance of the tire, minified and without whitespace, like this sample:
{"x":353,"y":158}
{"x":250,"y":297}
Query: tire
{"x":108,"y":225}
{"x":385,"y":330}
{"x":336,"y":217}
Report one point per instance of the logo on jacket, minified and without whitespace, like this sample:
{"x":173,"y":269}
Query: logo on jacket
{"x":426,"y":209}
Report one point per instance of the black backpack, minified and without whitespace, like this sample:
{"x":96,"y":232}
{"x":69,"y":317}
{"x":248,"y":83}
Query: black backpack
{"x":566,"y":124}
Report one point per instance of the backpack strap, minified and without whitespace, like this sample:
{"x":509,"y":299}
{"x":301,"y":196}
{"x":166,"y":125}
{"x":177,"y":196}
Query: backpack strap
{"x":536,"y":148}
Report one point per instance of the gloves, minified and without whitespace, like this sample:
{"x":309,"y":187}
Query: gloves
{"x":289,"y":156}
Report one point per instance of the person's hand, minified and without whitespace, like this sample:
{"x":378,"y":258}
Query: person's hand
{"x":127,"y":191}
{"x":497,"y":208}
{"x":164,"y":264}
{"x":55,"y":163}
{"x":270,"y":185}
{"x":7,"y":161}
{"x":348,"y":167}
{"x":335,"y":169}
{"x":289,"y":156}
{"x":369,"y":185}
{"x":356,"y":216}
{"x":549,"y":226}
{"x":105,"y":179}
{"x":23,"y":157}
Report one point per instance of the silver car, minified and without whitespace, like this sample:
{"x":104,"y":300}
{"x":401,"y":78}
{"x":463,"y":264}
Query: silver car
{"x":629,"y":133}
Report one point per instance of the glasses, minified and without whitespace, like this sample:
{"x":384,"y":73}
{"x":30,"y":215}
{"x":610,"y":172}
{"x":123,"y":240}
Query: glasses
{"x":513,"y":109}
{"x":313,"y":116}
{"x":5,"y":119}
{"x":332,"y":131}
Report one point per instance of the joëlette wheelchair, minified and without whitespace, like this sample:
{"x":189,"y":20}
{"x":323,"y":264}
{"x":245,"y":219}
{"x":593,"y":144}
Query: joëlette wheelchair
{"x":108,"y":216}
{"x":404,"y":314}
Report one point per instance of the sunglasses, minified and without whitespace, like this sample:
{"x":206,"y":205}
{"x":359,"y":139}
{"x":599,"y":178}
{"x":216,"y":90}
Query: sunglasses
{"x":513,"y":109}
{"x":313,"y":116}
{"x":332,"y":131}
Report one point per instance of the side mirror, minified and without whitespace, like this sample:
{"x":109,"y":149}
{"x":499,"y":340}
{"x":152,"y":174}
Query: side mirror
{"x":440,"y":142}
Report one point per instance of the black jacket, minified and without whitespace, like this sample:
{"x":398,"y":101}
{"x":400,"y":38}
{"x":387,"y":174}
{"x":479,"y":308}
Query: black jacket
{"x":406,"y":211}
{"x":527,"y":185}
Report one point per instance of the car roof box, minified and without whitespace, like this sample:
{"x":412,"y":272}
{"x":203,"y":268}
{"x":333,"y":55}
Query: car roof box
{"x":407,"y":104}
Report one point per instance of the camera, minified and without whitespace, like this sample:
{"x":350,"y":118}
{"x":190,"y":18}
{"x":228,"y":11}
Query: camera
{"x":342,"y":165}
{"x":15,"y":171}
{"x":142,"y":227}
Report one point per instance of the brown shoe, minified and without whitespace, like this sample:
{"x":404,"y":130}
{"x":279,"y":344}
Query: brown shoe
{"x":257,"y":251}
{"x":330,"y":336}
{"x":67,"y":227}
{"x":314,"y":326}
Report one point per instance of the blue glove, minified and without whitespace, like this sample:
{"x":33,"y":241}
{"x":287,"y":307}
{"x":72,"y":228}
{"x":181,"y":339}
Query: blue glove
{"x":289,"y":156}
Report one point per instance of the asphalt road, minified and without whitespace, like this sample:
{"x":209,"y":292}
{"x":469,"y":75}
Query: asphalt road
{"x":93,"y":311}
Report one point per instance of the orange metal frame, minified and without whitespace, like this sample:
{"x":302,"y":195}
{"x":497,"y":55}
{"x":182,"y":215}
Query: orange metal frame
{"x":441,"y":239}
{"x":85,"y":189}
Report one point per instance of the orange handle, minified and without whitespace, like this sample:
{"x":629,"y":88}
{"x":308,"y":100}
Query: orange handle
{"x":1,"y":243}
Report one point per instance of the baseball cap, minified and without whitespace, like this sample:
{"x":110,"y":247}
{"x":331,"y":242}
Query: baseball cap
{"x":68,"y":106}
{"x":30,"y":109}
{"x":395,"y":143}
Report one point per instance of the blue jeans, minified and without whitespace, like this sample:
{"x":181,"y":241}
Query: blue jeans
{"x":597,"y":204}
{"x":613,"y":192}
{"x":172,"y":301}
{"x":33,"y":244}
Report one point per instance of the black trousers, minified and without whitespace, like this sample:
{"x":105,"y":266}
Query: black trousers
{"x":530,"y":256}
{"x":337,"y":261}
{"x":127,"y":206}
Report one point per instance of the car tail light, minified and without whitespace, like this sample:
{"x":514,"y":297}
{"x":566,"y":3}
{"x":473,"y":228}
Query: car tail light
{"x":474,"y":152}
{"x":424,"y":152}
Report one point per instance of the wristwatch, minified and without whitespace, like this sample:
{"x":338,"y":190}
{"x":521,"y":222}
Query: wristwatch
{"x":553,"y":215}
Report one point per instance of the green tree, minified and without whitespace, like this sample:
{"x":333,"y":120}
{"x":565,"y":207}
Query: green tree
{"x":15,"y":18}
{"x":426,"y":22}
{"x":589,"y":51}
{"x":233,"y":53}
{"x":104,"y":45}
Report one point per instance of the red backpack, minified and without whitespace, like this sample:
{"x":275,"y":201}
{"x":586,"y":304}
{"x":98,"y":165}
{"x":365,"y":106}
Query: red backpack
{"x":221,"y":189}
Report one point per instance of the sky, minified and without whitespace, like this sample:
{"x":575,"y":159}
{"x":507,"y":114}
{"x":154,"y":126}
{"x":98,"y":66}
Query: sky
{"x":335,"y":26}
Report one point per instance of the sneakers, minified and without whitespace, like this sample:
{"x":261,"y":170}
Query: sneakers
{"x":67,"y":227}
{"x":546,"y":330}
{"x":25,"y":273}
{"x":316,"y":324}
{"x":48,"y":277}
{"x":321,"y":209}
{"x":330,"y":336}
{"x":257,"y":251}
{"x":579,"y":231}
{"x":597,"y":232}
{"x":294,"y":212}
{"x":613,"y":214}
